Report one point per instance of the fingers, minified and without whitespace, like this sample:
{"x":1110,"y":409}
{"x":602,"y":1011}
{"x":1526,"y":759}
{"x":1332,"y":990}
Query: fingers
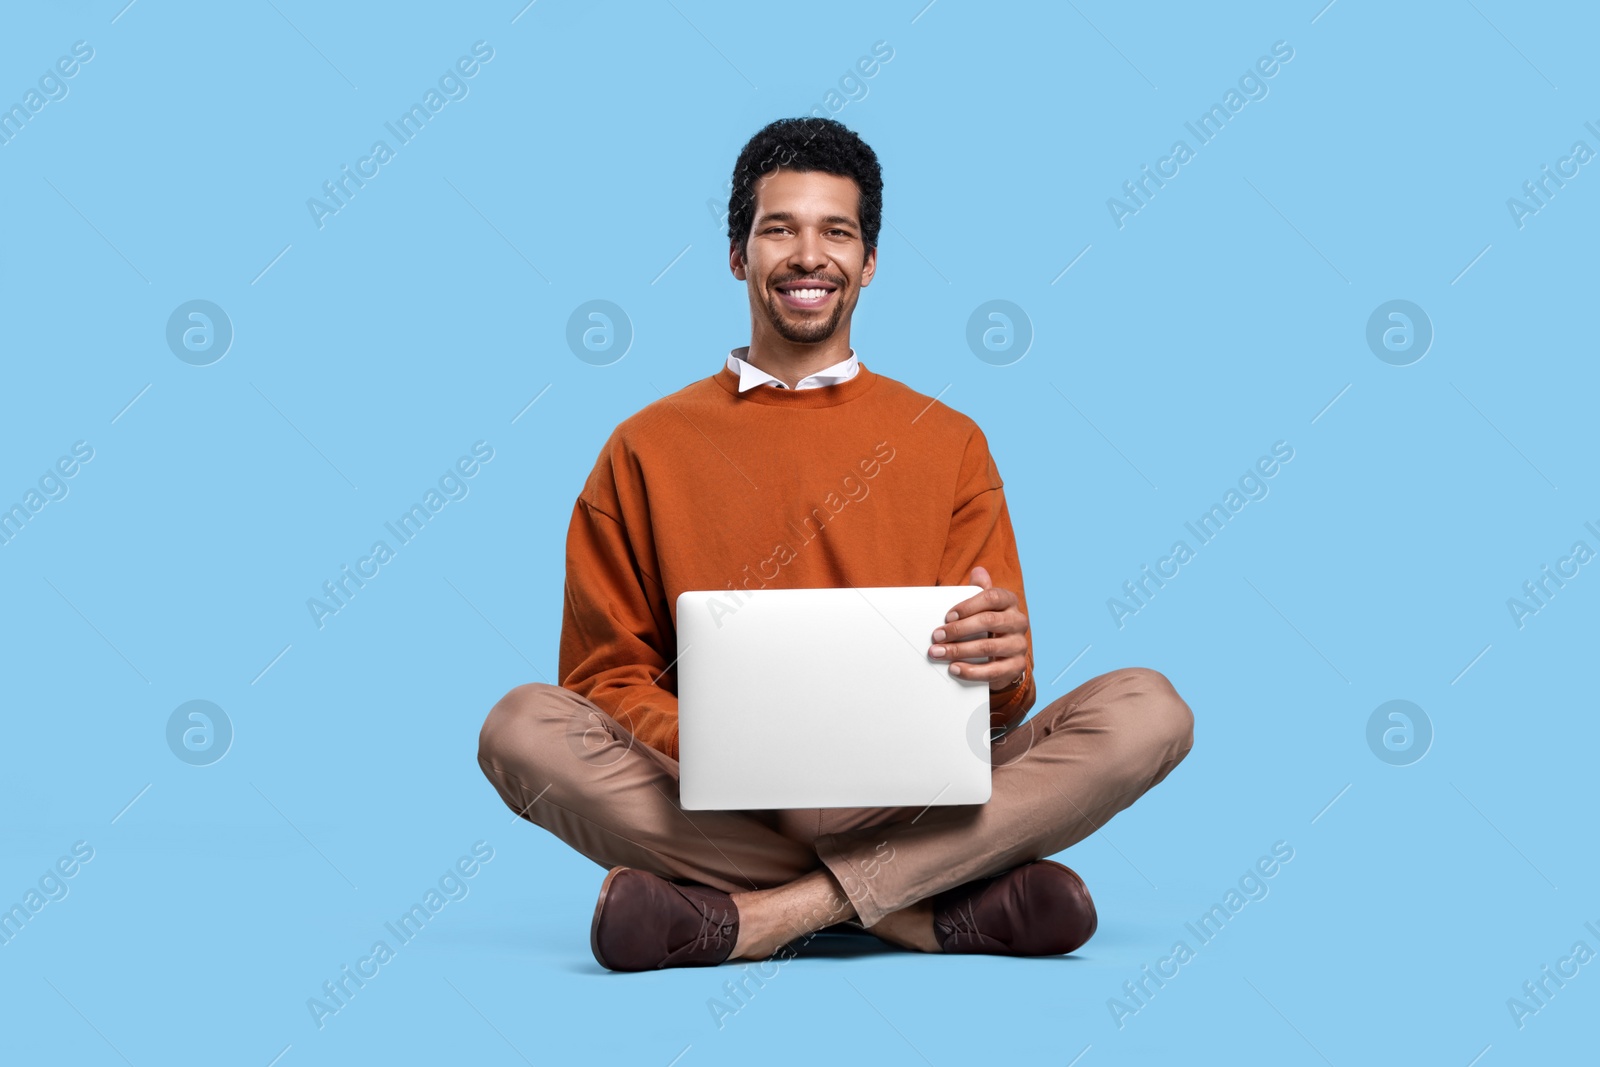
{"x":1007,"y":668}
{"x":991,"y":599}
{"x":991,"y":647}
{"x":1010,"y":621}
{"x":994,"y":614}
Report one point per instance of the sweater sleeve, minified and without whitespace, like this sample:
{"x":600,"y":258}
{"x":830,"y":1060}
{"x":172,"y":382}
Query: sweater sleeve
{"x":981,"y":535}
{"x":616,"y":645}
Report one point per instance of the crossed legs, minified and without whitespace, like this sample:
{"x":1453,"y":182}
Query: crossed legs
{"x":562,"y":763}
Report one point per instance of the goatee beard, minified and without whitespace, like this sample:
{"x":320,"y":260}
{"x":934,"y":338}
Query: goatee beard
{"x":809,"y":332}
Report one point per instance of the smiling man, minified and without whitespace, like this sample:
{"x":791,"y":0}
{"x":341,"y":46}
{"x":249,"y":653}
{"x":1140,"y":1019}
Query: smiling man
{"x":796,"y":454}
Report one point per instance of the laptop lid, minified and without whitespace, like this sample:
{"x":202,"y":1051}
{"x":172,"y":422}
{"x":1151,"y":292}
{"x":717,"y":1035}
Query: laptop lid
{"x":825,"y":698}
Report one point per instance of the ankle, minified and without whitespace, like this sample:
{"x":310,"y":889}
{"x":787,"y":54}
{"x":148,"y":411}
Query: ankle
{"x":911,"y":927}
{"x":752,"y":924}
{"x":772,"y":918}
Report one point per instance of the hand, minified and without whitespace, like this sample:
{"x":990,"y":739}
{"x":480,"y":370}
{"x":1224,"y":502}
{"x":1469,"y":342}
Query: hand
{"x":995,"y":611}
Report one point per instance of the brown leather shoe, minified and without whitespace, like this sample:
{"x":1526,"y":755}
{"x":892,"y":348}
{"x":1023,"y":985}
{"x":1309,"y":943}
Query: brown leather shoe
{"x":643,"y":922}
{"x":1038,"y":909}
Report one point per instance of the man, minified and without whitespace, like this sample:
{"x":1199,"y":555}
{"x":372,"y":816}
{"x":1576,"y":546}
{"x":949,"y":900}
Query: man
{"x":795,"y":466}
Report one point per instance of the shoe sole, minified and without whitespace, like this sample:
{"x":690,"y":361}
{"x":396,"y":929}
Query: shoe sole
{"x":594,"y":924}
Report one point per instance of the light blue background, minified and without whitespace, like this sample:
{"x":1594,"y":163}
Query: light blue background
{"x":371,"y":353}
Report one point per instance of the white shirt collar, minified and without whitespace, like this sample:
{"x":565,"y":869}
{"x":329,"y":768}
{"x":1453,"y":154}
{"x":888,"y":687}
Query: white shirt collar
{"x":751,"y":375}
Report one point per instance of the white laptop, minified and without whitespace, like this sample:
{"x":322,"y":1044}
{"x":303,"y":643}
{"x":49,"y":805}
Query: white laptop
{"x":825,"y":698}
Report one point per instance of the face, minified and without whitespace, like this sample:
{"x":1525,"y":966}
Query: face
{"x":805,"y":262}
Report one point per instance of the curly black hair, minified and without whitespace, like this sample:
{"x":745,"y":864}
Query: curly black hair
{"x":806,"y":144}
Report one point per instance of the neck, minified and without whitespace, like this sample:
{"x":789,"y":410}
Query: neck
{"x":789,"y":361}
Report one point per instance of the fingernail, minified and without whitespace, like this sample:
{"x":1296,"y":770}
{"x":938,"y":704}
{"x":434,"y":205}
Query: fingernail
{"x":951,"y":617}
{"x":955,"y":668}
{"x":936,"y":652}
{"x":938,"y":635}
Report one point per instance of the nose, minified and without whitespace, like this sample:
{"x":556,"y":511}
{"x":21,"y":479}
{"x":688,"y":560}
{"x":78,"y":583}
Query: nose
{"x":809,"y":254}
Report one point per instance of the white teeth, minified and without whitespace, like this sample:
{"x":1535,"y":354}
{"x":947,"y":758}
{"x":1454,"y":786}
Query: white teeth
{"x":807,"y":294}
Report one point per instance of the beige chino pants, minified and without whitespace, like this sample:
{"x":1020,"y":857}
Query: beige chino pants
{"x":565,"y":765}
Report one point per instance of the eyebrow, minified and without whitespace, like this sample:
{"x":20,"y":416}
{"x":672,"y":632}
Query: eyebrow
{"x":788,"y":216}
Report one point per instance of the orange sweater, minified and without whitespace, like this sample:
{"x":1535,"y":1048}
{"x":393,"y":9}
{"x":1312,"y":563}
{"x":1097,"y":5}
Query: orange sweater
{"x":864,"y":483}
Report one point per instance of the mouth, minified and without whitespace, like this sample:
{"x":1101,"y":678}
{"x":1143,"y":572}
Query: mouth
{"x":807,"y":294}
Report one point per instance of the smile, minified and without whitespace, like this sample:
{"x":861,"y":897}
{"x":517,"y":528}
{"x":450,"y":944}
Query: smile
{"x":814,"y":297}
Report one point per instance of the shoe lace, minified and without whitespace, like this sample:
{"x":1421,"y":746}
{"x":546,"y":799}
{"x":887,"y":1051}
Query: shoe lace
{"x":962,"y":922}
{"x":716,"y":925}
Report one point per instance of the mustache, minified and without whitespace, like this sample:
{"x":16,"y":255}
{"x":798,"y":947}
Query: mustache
{"x":837,"y":283}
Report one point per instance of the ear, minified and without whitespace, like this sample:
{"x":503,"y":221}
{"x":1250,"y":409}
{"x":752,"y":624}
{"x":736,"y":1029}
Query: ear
{"x":869,"y":267}
{"x":736,"y":262}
